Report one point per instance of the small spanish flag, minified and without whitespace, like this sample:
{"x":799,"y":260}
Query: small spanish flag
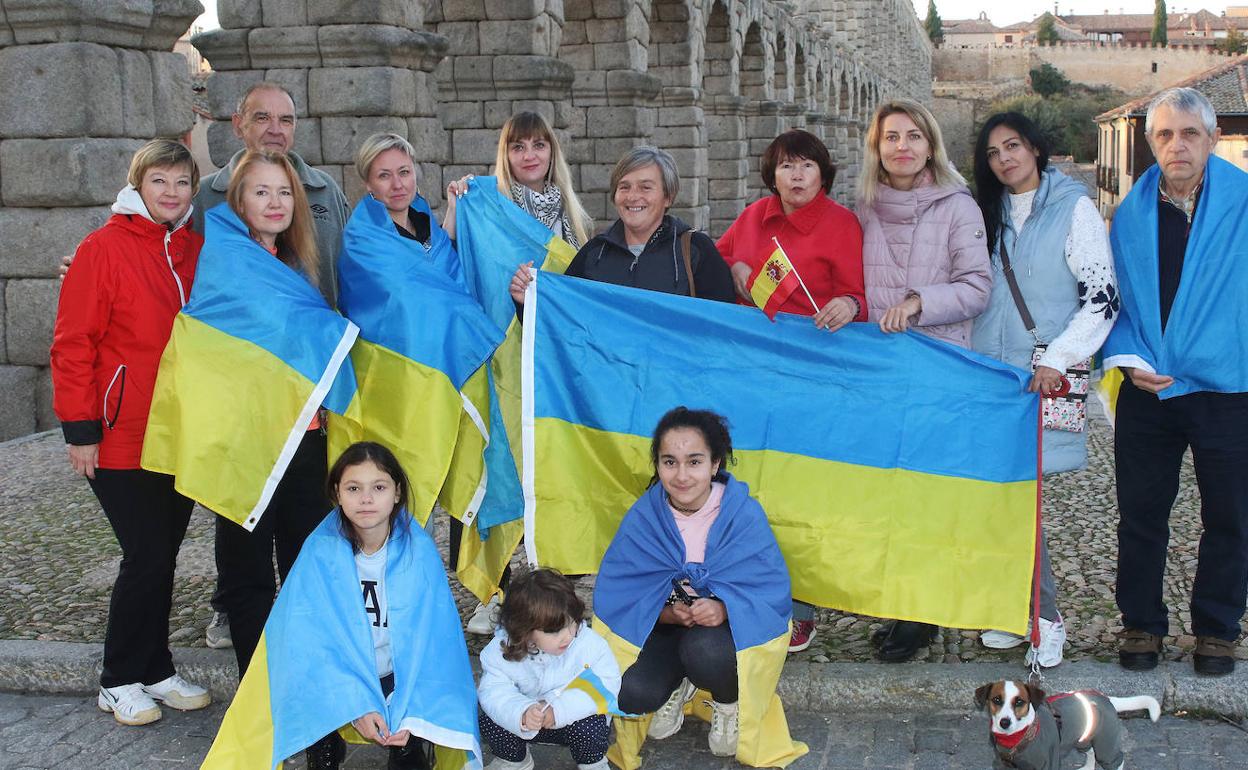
{"x":774,"y":281}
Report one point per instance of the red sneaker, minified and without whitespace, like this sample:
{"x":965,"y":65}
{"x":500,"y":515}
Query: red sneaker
{"x":803,"y":634}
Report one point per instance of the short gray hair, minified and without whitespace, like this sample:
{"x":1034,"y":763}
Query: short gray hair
{"x":645,"y":155}
{"x":263,"y":85}
{"x":1187,"y":100}
{"x":377,"y":144}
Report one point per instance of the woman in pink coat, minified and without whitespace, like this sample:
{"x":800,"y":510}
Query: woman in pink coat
{"x":924,"y":256}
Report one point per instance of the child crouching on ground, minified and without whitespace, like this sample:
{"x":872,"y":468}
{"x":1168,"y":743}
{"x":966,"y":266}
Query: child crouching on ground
{"x":541,"y":646}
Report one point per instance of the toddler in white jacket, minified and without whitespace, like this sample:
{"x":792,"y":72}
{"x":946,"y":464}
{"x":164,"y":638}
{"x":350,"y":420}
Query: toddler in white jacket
{"x":524,"y":691}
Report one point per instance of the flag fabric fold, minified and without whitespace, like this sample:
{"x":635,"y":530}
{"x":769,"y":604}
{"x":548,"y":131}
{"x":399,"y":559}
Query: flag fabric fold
{"x":422,"y":337}
{"x":895,"y":470}
{"x":253,"y":355}
{"x":314,"y":670}
{"x":773,"y":282}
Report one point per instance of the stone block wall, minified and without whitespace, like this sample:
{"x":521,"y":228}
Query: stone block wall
{"x":82,"y":86}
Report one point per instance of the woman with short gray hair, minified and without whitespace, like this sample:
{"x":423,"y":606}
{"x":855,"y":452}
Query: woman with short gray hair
{"x":646,"y":247}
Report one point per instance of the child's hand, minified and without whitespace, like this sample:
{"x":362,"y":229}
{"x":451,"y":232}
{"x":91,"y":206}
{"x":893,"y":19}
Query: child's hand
{"x":399,"y":739}
{"x":372,"y":727}
{"x":548,"y":718}
{"x":533,"y":716}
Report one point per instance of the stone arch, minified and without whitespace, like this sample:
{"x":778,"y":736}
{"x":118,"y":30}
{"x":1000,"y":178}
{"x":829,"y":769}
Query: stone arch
{"x":674,"y":43}
{"x":722,"y":86}
{"x":753,"y":71}
{"x":719,"y":60}
{"x":801,"y":92}
{"x":782,"y":86}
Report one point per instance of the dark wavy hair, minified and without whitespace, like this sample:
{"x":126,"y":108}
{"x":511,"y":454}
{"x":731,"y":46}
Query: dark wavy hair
{"x":796,"y":144}
{"x":988,"y":189}
{"x":383,"y":458}
{"x":712,"y":426}
{"x":541,"y":600}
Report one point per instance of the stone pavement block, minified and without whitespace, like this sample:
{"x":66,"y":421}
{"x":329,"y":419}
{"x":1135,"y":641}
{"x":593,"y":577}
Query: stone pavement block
{"x":340,"y":137}
{"x":171,"y":94}
{"x":30,"y":311}
{"x":36,"y":170}
{"x":17,"y":401}
{"x":60,"y":89}
{"x":35,"y":239}
{"x":136,"y":94}
{"x":361,"y":91}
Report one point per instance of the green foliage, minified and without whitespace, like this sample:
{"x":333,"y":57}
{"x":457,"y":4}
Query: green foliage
{"x":1159,"y":23}
{"x":1067,"y":120}
{"x":1234,"y":43}
{"x":932,"y":24}
{"x":1048,"y":80}
{"x":1046,"y":30}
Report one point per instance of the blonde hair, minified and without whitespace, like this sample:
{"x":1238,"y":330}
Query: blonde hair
{"x":529,"y":125}
{"x":873,"y":173}
{"x":375,"y":145}
{"x":296,"y":245}
{"x":162,"y":153}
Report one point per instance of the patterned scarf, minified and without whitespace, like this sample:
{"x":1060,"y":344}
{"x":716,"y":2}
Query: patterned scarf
{"x":546,"y":207}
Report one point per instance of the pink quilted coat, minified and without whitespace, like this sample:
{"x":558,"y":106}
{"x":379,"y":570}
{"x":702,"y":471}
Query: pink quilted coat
{"x":929,"y":240}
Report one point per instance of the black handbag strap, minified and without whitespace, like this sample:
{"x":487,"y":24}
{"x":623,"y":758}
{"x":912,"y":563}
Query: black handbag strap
{"x":1017,"y":293}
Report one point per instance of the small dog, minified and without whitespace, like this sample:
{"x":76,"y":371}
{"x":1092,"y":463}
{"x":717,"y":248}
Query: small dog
{"x":1034,"y":732}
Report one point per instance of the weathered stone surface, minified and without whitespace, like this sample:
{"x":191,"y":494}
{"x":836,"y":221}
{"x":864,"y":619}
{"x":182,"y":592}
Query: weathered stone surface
{"x":171,"y":94}
{"x":17,"y":401}
{"x":462,"y":115}
{"x":4,"y":353}
{"x":239,"y":14}
{"x":461,"y":37}
{"x":121,"y":23}
{"x":170,"y":20}
{"x":63,"y":172}
{"x":45,"y":417}
{"x":6,"y":32}
{"x":619,"y":121}
{"x":628,"y":55}
{"x":340,"y":137}
{"x":35,"y":239}
{"x":380,"y":45}
{"x":361,"y":91}
{"x":400,"y":13}
{"x":225,"y":49}
{"x":60,"y":89}
{"x":136,"y":94}
{"x":277,"y":47}
{"x":29,"y":314}
{"x":463,"y":10}
{"x":429,"y":140}
{"x":474,"y":145}
{"x":530,"y":77}
{"x":222,"y":143}
{"x":514,"y":9}
{"x":637,"y":88}
{"x":284,"y":13}
{"x":226,"y":89}
{"x":296,"y":82}
{"x":526,"y":36}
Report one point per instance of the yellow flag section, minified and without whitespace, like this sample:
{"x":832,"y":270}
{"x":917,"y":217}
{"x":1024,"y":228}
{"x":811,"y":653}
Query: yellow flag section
{"x":483,"y":487}
{"x":895,"y":470}
{"x":1107,"y":388}
{"x":253,"y":355}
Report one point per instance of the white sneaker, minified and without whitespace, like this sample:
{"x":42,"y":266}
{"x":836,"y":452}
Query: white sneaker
{"x":217,"y":635}
{"x":670,"y":717}
{"x":601,"y":764}
{"x":1052,"y":639}
{"x":723,"y":735}
{"x":483,"y":618}
{"x":129,"y":704}
{"x":1001,"y":640}
{"x":498,"y":763}
{"x":178,"y":693}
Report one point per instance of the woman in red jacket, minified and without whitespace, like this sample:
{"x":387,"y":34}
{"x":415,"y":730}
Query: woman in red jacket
{"x":823,"y":241}
{"x":128,"y":280}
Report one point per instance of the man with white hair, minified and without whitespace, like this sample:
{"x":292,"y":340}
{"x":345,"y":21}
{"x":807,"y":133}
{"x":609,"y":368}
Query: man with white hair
{"x":1180,"y":242}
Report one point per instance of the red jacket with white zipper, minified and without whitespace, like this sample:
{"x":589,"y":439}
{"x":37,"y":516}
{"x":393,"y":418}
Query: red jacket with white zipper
{"x":127,"y":282}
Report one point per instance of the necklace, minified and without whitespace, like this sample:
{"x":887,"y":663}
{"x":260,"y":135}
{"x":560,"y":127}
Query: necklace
{"x":677,"y":507}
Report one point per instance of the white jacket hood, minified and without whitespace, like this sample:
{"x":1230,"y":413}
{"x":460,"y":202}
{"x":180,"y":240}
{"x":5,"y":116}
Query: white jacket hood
{"x":129,"y":201}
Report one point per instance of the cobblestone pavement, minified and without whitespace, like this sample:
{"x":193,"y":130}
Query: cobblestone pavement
{"x":58,"y":559}
{"x":43,"y":731}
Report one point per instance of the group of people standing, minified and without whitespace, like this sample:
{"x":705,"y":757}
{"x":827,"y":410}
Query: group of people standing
{"x":1021,"y":271}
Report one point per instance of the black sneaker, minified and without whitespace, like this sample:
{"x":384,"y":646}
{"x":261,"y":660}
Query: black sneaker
{"x":416,"y":755}
{"x":1214,"y":656}
{"x":905,"y":640}
{"x":327,"y":753}
{"x":1138,"y":650}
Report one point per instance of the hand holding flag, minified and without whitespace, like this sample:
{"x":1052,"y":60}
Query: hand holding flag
{"x":774,"y":281}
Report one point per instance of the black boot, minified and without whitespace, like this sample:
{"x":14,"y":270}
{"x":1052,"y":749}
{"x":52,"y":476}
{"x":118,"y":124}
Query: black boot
{"x":880,"y":634}
{"x":416,"y":755}
{"x":905,"y":640}
{"x":327,"y":753}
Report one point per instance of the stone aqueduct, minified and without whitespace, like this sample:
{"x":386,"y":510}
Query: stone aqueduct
{"x":712,"y":81}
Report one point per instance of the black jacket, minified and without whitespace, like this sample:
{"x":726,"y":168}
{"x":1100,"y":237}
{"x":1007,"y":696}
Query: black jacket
{"x":661,"y":266}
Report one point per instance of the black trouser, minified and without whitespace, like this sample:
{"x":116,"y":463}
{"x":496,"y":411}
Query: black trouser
{"x":587,"y":738}
{"x":149,"y":519}
{"x":456,"y":537}
{"x":245,"y":559}
{"x":704,"y":654}
{"x":1150,"y":437}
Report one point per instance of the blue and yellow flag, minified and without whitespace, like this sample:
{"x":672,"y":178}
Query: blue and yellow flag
{"x":252,"y":357}
{"x":421,"y":338}
{"x":314,"y":670}
{"x":592,"y":685}
{"x":494,"y":237}
{"x":896,"y":470}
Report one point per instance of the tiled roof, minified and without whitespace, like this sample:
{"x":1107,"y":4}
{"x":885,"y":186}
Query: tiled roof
{"x":967,"y":26}
{"x":1123,"y":22}
{"x":1226,"y":86}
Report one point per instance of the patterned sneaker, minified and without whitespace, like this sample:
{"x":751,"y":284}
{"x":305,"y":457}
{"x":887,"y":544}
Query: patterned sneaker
{"x":483,"y":618}
{"x":723,"y":735}
{"x":178,"y":693}
{"x":217,"y":636}
{"x":129,"y":704}
{"x":670,"y":717}
{"x":803,"y":634}
{"x":1052,"y":639}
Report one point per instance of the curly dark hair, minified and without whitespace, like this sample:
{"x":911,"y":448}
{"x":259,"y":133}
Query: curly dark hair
{"x":712,"y":426}
{"x":541,"y":600}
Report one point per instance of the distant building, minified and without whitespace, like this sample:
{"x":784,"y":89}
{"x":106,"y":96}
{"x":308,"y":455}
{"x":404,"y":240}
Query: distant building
{"x":1198,"y":29}
{"x":1123,"y":153}
{"x":980,"y":33}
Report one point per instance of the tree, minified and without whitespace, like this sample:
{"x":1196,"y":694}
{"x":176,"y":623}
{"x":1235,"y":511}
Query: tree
{"x":1048,"y":80}
{"x":1046,"y":31}
{"x":1234,"y":43}
{"x":932,"y":24}
{"x":1159,"y":23}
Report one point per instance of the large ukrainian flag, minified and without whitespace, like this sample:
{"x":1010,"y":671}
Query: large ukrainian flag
{"x":421,"y":338}
{"x":896,"y":471}
{"x":252,"y":357}
{"x":494,"y":237}
{"x":314,"y":670}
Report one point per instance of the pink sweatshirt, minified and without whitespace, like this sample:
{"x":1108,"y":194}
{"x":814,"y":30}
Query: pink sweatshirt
{"x":694,"y":527}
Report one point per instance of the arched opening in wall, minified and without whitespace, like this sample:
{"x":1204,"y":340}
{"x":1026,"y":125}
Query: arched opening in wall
{"x":782,"y":88}
{"x":864,"y":102}
{"x":717,"y":59}
{"x":672,"y":44}
{"x":843,"y":107}
{"x":800,"y":95}
{"x":753,"y":75}
{"x":819,"y":101}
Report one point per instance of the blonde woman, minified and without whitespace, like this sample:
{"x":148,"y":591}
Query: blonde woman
{"x":925,"y":258}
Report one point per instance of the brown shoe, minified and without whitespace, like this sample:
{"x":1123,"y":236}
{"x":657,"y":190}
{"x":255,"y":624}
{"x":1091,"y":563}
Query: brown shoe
{"x":1138,"y":650}
{"x":1214,"y":656}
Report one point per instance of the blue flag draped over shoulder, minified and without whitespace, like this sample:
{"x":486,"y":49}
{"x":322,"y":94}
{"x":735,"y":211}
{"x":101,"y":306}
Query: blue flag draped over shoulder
{"x":421,"y":337}
{"x":252,"y":356}
{"x":896,"y":470}
{"x":314,"y":670}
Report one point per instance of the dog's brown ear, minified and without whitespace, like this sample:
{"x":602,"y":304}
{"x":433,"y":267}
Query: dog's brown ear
{"x":981,"y":696}
{"x":1036,"y":695}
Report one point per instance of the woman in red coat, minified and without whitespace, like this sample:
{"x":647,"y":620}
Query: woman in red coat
{"x":821,"y":238}
{"x":128,"y":280}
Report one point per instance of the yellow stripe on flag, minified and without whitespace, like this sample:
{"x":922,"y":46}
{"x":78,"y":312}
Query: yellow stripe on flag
{"x":245,"y":739}
{"x":769,"y":277}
